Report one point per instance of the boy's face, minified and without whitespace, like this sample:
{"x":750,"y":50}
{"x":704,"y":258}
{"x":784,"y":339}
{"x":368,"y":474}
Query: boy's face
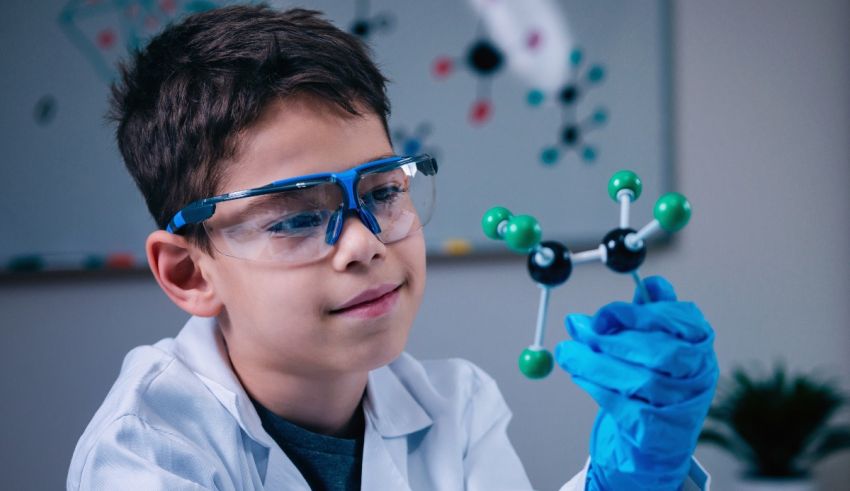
{"x":287,"y":318}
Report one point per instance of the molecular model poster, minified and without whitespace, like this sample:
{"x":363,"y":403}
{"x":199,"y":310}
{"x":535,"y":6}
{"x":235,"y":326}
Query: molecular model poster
{"x":531,"y":105}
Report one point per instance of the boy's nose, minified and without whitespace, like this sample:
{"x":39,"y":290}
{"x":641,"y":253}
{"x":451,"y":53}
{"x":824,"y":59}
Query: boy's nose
{"x":356,"y":245}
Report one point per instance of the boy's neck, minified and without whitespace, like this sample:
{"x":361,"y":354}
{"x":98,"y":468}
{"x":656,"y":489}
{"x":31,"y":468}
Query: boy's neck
{"x":329,"y":405}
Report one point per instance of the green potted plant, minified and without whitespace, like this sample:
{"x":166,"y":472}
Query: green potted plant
{"x":777,"y":424}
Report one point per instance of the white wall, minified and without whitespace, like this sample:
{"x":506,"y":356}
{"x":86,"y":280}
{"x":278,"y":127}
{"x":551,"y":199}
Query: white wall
{"x":763,"y":115}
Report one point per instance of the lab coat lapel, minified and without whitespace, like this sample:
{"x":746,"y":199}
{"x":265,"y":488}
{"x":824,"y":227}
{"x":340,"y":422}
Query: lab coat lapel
{"x":282,"y":473}
{"x":381,"y":469}
{"x":201,"y":347}
{"x":391,"y":415}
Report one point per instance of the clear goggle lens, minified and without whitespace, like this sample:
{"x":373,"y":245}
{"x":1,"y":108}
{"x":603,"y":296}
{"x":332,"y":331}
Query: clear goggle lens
{"x":301,"y":225}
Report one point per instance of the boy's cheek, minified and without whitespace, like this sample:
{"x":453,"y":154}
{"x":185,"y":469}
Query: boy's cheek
{"x":413,"y":251}
{"x":265,"y":295}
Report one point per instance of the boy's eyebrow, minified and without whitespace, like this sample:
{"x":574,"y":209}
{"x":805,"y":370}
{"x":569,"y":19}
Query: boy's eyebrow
{"x":272,"y":202}
{"x":379,"y":157}
{"x":266,"y":200}
{"x":256,"y":203}
{"x":282,"y":196}
{"x":382,"y":156}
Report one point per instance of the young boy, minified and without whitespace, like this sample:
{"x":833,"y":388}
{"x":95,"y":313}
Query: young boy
{"x":291,"y":373}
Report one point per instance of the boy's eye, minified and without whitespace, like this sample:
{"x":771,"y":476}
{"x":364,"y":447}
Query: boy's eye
{"x":383,"y":195}
{"x":301,"y":224}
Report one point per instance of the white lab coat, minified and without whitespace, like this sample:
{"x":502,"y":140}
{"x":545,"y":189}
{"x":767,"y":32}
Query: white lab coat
{"x":177,"y":418}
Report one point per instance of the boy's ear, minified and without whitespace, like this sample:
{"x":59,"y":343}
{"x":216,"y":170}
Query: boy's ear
{"x":174,"y":264}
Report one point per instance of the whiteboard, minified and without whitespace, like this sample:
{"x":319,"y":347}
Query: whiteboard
{"x":68,"y":198}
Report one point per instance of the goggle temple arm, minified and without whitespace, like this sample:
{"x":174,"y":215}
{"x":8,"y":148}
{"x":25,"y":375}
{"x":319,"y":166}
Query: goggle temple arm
{"x":190,"y":215}
{"x":427,"y":166}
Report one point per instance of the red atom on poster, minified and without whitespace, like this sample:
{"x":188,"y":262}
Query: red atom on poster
{"x":106,"y":39}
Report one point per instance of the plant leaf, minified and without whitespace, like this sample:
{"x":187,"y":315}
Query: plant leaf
{"x":832,"y":440}
{"x":728,"y":443}
{"x":776,"y":421}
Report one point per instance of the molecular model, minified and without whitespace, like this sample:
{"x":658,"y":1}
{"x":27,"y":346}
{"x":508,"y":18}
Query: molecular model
{"x":414,"y":143}
{"x":572,"y":132}
{"x":103,"y":30}
{"x":550,"y":263}
{"x":485,"y":60}
{"x":365,"y":24}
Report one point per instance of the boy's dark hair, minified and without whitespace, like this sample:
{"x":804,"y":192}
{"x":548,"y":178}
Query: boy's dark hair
{"x":183,"y":100}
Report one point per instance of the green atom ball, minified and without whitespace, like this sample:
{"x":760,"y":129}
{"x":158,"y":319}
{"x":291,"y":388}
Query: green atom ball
{"x":600,"y":115}
{"x":94,"y":262}
{"x":491,"y":220}
{"x":596,"y":74}
{"x":549,"y":156}
{"x":522,"y":233}
{"x":576,"y":56}
{"x":624,"y":179}
{"x":535,"y":97}
{"x":535,"y":363}
{"x":26,"y":263}
{"x":673,"y":211}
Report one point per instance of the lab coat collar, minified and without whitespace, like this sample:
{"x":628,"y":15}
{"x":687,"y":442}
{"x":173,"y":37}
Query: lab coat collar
{"x":388,"y":405}
{"x":393,"y":409}
{"x":201,"y":347}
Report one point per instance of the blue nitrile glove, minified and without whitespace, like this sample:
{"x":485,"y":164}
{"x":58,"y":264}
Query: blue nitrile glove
{"x":652,"y":370}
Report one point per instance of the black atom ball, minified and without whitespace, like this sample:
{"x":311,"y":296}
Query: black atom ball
{"x":556,"y":273}
{"x":569,"y":94}
{"x":620,"y":258}
{"x":570,"y":135}
{"x":360,"y":28}
{"x":484,"y":58}
{"x":44,"y":110}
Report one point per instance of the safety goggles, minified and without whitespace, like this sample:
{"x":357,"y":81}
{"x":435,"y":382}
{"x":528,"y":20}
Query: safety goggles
{"x":298,"y":220}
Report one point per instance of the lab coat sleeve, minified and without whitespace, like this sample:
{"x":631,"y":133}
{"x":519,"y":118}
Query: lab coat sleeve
{"x":697,"y":480}
{"x":131,"y":454}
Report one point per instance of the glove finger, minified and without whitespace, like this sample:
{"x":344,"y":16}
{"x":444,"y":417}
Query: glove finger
{"x":632,"y":381}
{"x":682,"y":320}
{"x":656,"y":350}
{"x":660,"y":290}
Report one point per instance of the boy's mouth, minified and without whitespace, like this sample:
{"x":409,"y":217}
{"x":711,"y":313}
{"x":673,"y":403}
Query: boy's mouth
{"x":371,"y":302}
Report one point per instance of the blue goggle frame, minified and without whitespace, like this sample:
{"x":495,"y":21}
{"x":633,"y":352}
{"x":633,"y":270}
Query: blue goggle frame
{"x":201,"y":210}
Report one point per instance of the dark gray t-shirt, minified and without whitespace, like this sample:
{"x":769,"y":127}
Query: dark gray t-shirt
{"x":326,"y":462}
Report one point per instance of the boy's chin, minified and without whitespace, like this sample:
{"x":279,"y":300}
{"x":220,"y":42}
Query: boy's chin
{"x":373,"y":357}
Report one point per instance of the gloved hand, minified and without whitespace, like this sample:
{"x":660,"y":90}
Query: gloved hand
{"x":652,"y":370}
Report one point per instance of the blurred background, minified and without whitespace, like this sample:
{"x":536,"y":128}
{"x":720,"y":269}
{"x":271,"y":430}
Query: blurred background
{"x":745,"y":110}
